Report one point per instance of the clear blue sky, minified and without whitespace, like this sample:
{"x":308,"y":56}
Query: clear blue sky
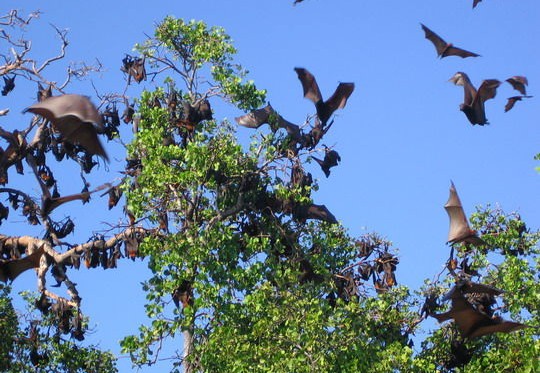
{"x":401,"y":137}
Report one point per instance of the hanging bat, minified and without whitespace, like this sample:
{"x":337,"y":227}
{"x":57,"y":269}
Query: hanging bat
{"x":134,"y":67}
{"x":473,"y":323}
{"x":9,"y":84}
{"x":10,"y":269}
{"x":443,"y":48}
{"x":519,"y":83}
{"x":512,"y":101}
{"x":43,"y":93}
{"x":325,"y":109}
{"x":331,"y":159}
{"x":473,"y":103}
{"x":459,"y":226}
{"x":74,"y":117}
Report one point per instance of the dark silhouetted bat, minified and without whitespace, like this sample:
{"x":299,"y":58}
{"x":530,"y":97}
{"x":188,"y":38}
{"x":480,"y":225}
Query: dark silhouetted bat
{"x":459,"y":226}
{"x":468,"y":287}
{"x":325,"y":109}
{"x":473,"y":103}
{"x":267,"y":115}
{"x":313,"y":211}
{"x":443,"y":48}
{"x":49,"y":203}
{"x":74,"y":117}
{"x":473,"y":323}
{"x":519,"y":83}
{"x":475,"y":3}
{"x":43,"y":93}
{"x":9,"y":84}
{"x":10,"y":269}
{"x":512,"y":101}
{"x":331,"y":159}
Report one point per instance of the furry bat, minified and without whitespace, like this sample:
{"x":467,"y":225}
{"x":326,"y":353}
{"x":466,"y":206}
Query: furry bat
{"x":473,"y":103}
{"x":10,"y":269}
{"x":325,"y":109}
{"x":74,"y":117}
{"x":331,"y":159}
{"x":512,"y":101}
{"x":459,"y":226}
{"x":519,"y":83}
{"x":473,"y":323}
{"x":267,"y":115}
{"x":443,"y":48}
{"x":134,"y":67}
{"x":9,"y":84}
{"x":313,"y":211}
{"x":468,"y":287}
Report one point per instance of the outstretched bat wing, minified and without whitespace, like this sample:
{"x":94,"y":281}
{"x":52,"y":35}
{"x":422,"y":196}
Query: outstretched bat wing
{"x":309,"y":85}
{"x":518,"y":83}
{"x":496,"y":326}
{"x":73,"y":116}
{"x":459,"y":226}
{"x":438,"y":42}
{"x":256,"y":118}
{"x":512,"y":101}
{"x":455,"y":51}
{"x":339,"y":99}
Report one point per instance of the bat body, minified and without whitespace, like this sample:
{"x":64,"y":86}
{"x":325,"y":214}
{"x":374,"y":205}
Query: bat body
{"x":473,"y":102}
{"x":473,"y":323}
{"x":313,"y":211}
{"x":469,"y":287}
{"x":134,"y":67}
{"x":325,"y":109}
{"x":512,"y":101}
{"x":74,"y":117}
{"x":267,"y":115}
{"x":443,"y":48}
{"x":10,"y":269}
{"x":519,"y":83}
{"x":459,"y":226}
{"x":331,"y":159}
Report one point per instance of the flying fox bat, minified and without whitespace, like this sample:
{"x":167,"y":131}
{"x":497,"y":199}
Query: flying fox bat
{"x":313,"y":211}
{"x":9,"y":84}
{"x":331,"y":159}
{"x":74,"y":117}
{"x":519,"y":83}
{"x":467,"y":287}
{"x":473,"y":103}
{"x":443,"y":48}
{"x":265,"y":115}
{"x":10,"y":269}
{"x":459,"y":226}
{"x":325,"y":109}
{"x":473,"y":323}
{"x":512,"y":101}
{"x":134,"y":67}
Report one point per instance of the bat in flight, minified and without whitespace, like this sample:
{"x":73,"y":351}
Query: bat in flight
{"x":12,"y":268}
{"x":325,"y":109}
{"x":466,"y":286}
{"x":313,"y":211}
{"x":74,"y":117}
{"x":473,"y":323}
{"x":459,"y":226}
{"x":443,"y":48}
{"x":267,"y":115}
{"x":473,"y":102}
{"x":512,"y":101}
{"x":519,"y":83}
